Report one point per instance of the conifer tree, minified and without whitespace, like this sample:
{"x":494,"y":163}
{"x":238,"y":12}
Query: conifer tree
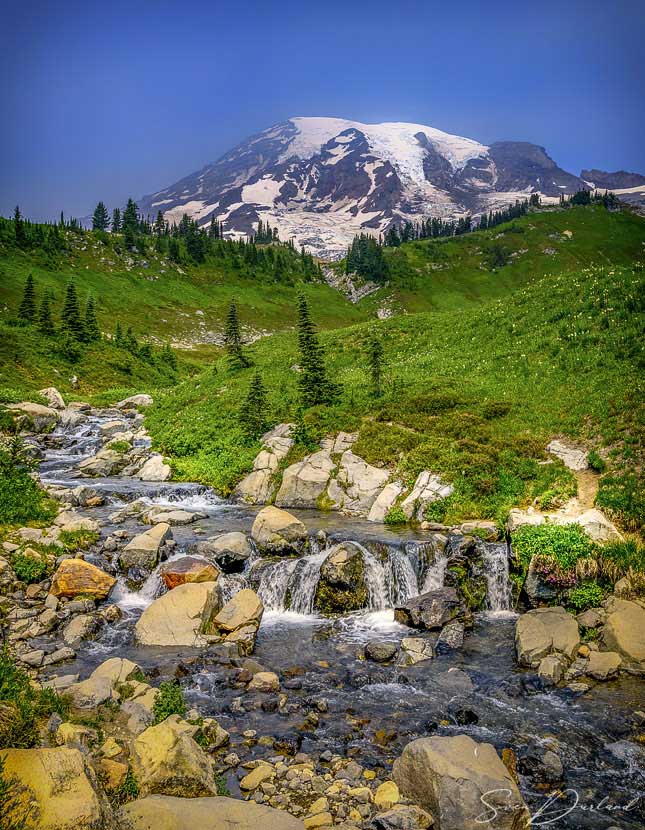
{"x":100,"y":219}
{"x":19,"y":228}
{"x":169,"y":357}
{"x":92,"y":330}
{"x":375,"y":358}
{"x":45,"y":322}
{"x":314,"y":385}
{"x":237,"y":359}
{"x":130,"y":341}
{"x":27,"y":308}
{"x":71,"y":322}
{"x":253,"y":412}
{"x":130,"y":222}
{"x":116,"y":220}
{"x":118,"y":336}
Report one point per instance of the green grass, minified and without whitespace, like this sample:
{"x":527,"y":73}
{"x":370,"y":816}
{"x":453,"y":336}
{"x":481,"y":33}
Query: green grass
{"x":474,"y":394}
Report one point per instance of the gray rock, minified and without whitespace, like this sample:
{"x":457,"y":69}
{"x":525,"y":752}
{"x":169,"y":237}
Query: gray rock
{"x":431,"y":610}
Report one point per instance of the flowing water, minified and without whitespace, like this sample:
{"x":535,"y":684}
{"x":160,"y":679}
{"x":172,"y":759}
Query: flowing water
{"x":477,"y":690}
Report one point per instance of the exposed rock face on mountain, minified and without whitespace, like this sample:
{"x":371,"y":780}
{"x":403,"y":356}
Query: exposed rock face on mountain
{"x":618,"y":180}
{"x":322,"y":180}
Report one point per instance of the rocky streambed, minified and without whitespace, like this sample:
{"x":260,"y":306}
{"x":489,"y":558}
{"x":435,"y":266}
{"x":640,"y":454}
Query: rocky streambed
{"x":314,"y":650}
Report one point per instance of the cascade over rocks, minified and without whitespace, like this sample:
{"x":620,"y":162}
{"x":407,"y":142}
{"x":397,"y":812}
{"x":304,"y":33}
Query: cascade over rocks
{"x":106,"y":462}
{"x":451,"y":776}
{"x":168,"y":813}
{"x":277,"y":532}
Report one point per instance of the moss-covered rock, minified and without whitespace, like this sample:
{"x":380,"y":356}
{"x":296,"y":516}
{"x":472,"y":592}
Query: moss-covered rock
{"x":341,"y":587}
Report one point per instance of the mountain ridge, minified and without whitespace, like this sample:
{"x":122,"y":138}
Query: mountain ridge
{"x":322,"y":180}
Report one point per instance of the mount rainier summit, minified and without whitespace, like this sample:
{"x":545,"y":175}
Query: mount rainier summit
{"x":320,"y":181}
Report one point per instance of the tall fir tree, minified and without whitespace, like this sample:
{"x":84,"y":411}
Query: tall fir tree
{"x":130,"y":222}
{"x":71,"y":322}
{"x":27,"y":307}
{"x":118,"y":336}
{"x":92,"y":330}
{"x":314,"y":385}
{"x":375,"y":362}
{"x":252,"y":416}
{"x":100,"y":218}
{"x":169,"y":358}
{"x":45,"y":322}
{"x":19,"y":228}
{"x":116,"y":221}
{"x":237,"y":358}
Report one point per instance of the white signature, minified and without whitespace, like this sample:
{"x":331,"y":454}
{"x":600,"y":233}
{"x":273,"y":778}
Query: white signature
{"x":553,"y":810}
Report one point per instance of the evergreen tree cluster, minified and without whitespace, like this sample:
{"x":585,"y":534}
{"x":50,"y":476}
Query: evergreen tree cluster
{"x":78,"y":324}
{"x":589,"y":197}
{"x":498,"y":217}
{"x":365,"y":258}
{"x":20,"y":233}
{"x":265,"y":234}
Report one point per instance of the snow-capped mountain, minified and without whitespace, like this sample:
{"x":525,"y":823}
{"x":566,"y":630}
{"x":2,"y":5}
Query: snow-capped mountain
{"x":322,"y":180}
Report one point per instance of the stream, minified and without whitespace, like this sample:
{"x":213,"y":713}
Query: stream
{"x":367,"y":710}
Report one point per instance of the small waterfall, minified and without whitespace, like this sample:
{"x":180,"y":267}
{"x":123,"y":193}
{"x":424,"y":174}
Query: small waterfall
{"x":305,"y":581}
{"x":375,"y":581}
{"x":229,"y":585}
{"x":402,"y":583}
{"x":499,"y":598}
{"x":274,"y":583}
{"x":435,"y":575}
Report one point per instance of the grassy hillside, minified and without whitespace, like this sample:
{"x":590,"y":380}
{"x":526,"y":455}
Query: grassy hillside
{"x":473,"y":394}
{"x":445,"y":274}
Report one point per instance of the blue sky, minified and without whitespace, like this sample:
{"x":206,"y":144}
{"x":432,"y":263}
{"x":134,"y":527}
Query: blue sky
{"x":111,"y":99}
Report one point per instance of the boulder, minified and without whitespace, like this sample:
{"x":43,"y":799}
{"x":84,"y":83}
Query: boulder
{"x":175,"y":518}
{"x":179,"y":617}
{"x":244,"y":608}
{"x":230,"y":551}
{"x":155,"y":469}
{"x":264,"y":681}
{"x":552,"y":668}
{"x":60,"y":785}
{"x":166,"y":759}
{"x":451,"y":637}
{"x":143,"y":550}
{"x":431,"y":610}
{"x":106,"y":462}
{"x":598,"y":527}
{"x":75,"y":576}
{"x":81,"y":627}
{"x":53,"y":397}
{"x":305,"y":483}
{"x":518,"y":518}
{"x":416,"y":650}
{"x":427,"y":488}
{"x":624,"y":632}
{"x":135,"y":400}
{"x":603,"y":664}
{"x":384,"y":501}
{"x":258,"y":486}
{"x":99,"y":687}
{"x":72,"y":522}
{"x":355,"y":488}
{"x":571,"y":457}
{"x":536,"y":588}
{"x":188,"y":569}
{"x":109,"y":429}
{"x":168,"y":813}
{"x":380,"y":651}
{"x":341,"y":587}
{"x":277,"y":532}
{"x":460,"y":782}
{"x":591,"y":618}
{"x":543,"y":631}
{"x":42,"y":418}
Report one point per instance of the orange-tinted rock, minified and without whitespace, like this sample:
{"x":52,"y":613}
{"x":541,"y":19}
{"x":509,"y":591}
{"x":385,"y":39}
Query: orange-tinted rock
{"x":75,"y":577}
{"x":188,"y":569}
